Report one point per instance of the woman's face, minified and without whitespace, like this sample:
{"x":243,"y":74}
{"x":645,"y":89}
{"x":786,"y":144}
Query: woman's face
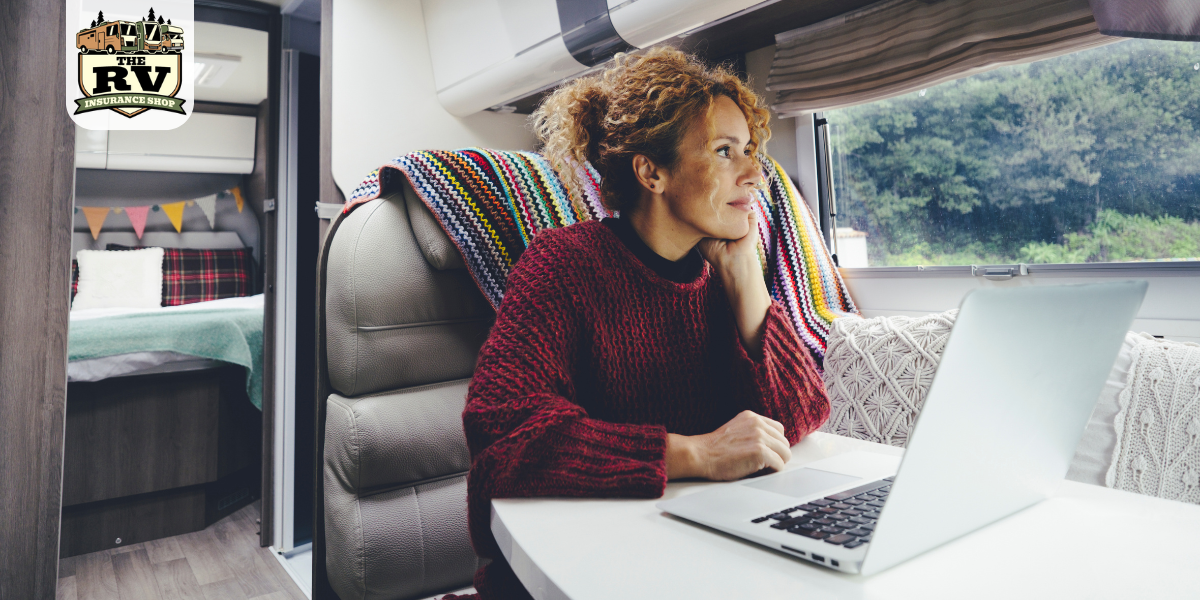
{"x":711,"y":186}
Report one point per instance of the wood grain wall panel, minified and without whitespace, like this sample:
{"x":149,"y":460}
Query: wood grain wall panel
{"x":37,"y":160}
{"x":134,"y":435}
{"x":94,"y":527}
{"x":149,"y":456}
{"x":261,"y":189}
{"x":239,"y":431}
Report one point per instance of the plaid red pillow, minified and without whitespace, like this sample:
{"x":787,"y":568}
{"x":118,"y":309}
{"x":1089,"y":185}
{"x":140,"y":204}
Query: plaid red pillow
{"x":197,"y":275}
{"x":74,"y":278}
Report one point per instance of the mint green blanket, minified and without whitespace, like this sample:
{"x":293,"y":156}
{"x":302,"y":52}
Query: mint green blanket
{"x":233,"y":335}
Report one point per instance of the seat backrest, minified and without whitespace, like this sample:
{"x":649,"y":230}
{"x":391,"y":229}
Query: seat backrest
{"x":396,"y":320}
{"x":402,"y":324}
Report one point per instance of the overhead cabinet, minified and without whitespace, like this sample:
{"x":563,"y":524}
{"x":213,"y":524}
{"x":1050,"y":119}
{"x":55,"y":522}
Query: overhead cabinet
{"x":206,"y":143}
{"x":486,"y":53}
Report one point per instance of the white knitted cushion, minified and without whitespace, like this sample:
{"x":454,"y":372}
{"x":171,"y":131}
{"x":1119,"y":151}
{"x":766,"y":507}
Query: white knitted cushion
{"x":877,"y":372}
{"x":1158,"y":423}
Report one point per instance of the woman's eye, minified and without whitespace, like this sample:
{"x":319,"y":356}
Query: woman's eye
{"x":723,"y":151}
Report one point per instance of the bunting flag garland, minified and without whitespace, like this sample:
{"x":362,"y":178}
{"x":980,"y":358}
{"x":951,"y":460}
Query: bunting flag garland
{"x":237,"y":197}
{"x":209,"y":207}
{"x":137,"y":216}
{"x":95,"y":218}
{"x":97,"y":215}
{"x":174,"y":212}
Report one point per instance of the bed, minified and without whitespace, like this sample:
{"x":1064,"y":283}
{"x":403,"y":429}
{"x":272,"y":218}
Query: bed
{"x":116,"y":342}
{"x":164,"y":424}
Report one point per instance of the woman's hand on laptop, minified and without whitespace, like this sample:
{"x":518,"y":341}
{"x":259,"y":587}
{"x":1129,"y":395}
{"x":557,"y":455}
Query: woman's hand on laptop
{"x":748,"y":443}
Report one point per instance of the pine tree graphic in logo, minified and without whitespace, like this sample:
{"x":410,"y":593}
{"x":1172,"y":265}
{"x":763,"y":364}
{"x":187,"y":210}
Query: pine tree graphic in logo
{"x":130,"y":66}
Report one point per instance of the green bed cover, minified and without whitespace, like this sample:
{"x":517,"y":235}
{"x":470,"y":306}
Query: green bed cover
{"x":230,"y":335}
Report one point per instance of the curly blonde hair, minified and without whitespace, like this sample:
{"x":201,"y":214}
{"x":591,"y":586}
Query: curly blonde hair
{"x":642,"y":104}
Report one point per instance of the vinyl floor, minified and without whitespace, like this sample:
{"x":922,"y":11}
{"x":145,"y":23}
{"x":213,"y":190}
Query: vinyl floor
{"x":222,"y":562}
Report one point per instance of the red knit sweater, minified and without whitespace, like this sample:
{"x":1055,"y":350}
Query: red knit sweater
{"x":592,"y":360}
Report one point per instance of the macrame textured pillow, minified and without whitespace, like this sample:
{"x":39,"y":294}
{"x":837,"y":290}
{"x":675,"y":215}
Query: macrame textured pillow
{"x":1158,"y":425}
{"x":877,"y":372}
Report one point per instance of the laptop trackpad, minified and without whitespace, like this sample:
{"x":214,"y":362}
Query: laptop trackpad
{"x":801,"y":482}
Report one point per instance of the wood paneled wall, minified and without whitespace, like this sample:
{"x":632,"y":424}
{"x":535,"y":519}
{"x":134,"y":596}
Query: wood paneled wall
{"x":37,"y":180}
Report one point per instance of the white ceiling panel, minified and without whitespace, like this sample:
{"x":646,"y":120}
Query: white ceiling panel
{"x":248,"y":82}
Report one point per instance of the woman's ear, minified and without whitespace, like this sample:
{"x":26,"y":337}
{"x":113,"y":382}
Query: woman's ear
{"x":649,"y":175}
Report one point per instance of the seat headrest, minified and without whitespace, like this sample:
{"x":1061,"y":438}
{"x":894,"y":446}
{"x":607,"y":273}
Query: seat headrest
{"x":435,"y":245}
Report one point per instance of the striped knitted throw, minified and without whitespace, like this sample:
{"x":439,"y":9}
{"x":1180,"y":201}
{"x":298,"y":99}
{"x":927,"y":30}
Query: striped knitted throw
{"x":491,"y":203}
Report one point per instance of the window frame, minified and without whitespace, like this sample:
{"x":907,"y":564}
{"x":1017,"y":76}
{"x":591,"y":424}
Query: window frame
{"x":827,"y":219}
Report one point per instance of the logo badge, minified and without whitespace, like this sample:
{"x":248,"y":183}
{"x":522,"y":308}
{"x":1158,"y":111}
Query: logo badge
{"x":135,"y":66}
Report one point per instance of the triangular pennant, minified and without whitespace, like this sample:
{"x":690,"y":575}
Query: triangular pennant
{"x":95,"y":218}
{"x":137,"y":216}
{"x":209,"y":206}
{"x":237,"y":197}
{"x":174,"y":212}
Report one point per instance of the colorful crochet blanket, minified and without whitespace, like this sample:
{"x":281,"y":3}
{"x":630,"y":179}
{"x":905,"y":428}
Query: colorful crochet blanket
{"x":491,"y":203}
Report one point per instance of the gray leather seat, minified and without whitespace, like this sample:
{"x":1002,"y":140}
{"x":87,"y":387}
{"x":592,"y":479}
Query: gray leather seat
{"x":403,"y":323}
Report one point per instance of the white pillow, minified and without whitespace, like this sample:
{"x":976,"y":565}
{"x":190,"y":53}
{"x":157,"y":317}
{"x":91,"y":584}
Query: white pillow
{"x":119,"y":279}
{"x":1094,"y":454}
{"x":877,"y":372}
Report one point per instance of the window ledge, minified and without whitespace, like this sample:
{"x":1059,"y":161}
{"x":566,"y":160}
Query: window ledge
{"x":1145,"y":269}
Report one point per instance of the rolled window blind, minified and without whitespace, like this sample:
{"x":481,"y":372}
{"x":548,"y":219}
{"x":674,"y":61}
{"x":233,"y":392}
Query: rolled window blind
{"x":898,"y":46}
{"x":1155,"y":19}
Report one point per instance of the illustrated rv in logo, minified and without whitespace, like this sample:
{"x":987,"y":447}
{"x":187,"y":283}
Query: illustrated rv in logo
{"x":130,"y":66}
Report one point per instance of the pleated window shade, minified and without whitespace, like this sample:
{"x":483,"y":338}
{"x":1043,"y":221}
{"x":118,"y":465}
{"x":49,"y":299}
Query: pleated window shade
{"x":1155,"y":19}
{"x":899,"y":46}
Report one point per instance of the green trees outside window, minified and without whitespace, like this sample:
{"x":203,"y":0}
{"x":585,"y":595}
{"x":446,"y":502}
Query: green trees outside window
{"x":1088,"y":157}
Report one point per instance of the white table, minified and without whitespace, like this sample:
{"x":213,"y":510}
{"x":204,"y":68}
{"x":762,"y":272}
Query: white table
{"x":1085,"y":542}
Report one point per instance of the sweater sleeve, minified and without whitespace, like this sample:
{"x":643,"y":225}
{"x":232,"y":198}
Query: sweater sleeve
{"x":783,"y":384}
{"x":526,"y":435}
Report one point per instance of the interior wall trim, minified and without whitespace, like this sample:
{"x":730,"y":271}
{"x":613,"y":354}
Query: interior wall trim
{"x":1129,"y":269}
{"x":37,"y":180}
{"x":321,"y":589}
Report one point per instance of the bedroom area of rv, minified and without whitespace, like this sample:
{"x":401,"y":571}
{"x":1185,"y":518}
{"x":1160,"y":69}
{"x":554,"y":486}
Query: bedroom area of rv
{"x":440,"y":299}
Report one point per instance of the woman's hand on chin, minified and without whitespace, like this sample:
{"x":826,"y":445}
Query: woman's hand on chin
{"x":731,"y":258}
{"x":748,"y":443}
{"x":736,"y":263}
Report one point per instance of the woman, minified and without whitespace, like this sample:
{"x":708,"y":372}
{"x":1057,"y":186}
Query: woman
{"x":643,"y":348}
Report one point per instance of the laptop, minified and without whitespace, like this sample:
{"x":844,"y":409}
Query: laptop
{"x":1018,"y":379}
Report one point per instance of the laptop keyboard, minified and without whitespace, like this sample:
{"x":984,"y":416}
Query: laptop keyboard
{"x":844,"y":519}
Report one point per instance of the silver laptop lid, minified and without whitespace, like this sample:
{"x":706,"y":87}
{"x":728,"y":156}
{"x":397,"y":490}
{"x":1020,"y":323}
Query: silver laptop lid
{"x":1016,"y":384}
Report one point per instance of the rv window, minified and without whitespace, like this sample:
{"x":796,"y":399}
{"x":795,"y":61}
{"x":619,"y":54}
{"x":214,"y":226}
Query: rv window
{"x":1088,"y":157}
{"x":127,"y":30}
{"x":112,"y":30}
{"x":151,"y":33}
